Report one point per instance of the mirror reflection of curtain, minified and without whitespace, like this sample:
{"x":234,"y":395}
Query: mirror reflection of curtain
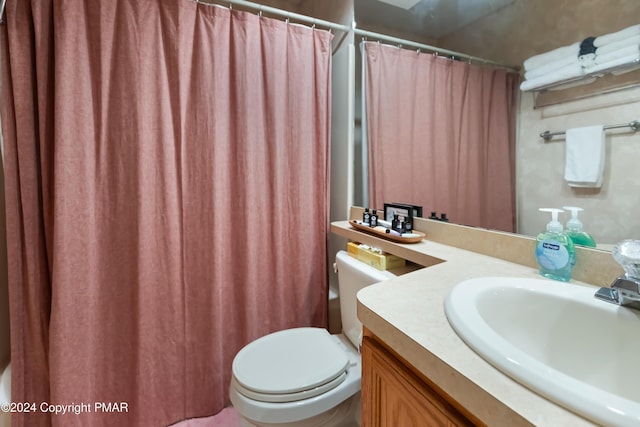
{"x":441,"y":134}
{"x":167,"y":200}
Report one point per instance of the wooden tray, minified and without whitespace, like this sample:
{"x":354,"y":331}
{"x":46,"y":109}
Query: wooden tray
{"x":384,"y":235}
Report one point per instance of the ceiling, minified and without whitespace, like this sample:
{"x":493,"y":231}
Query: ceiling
{"x":428,"y":18}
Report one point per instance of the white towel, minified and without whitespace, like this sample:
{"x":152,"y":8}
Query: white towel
{"x":630,"y":60}
{"x":618,"y":35}
{"x":571,"y":71}
{"x":553,"y":55}
{"x":550,"y":67}
{"x":584,"y":156}
{"x":620,"y":53}
{"x":617,"y":45}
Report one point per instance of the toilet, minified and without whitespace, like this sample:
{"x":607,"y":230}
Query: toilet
{"x":305,"y":377}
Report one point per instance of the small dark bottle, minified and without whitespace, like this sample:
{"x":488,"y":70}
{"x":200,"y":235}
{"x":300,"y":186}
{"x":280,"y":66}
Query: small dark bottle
{"x":366,"y":217}
{"x":443,"y":217}
{"x":407,"y":226}
{"x":434,"y":216}
{"x":394,"y":222}
{"x":373,"y":219}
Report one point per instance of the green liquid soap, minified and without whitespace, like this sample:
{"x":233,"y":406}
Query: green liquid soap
{"x":555,"y":251}
{"x":581,"y":238}
{"x":575,"y":229}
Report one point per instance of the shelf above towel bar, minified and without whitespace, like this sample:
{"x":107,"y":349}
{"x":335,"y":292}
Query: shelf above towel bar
{"x":634,"y":125}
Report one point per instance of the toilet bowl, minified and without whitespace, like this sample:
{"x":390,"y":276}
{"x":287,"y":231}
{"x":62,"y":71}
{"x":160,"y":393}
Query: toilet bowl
{"x":305,"y":377}
{"x":5,"y":395}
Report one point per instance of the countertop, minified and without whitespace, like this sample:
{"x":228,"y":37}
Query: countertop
{"x":407,"y":313}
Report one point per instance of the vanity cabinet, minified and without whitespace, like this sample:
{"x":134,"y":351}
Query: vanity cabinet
{"x":394,"y":395}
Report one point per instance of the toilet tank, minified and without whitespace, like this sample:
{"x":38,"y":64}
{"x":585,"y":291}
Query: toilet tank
{"x":354,"y":275}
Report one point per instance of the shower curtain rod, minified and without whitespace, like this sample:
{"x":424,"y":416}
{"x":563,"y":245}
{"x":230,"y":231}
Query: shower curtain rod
{"x":282,"y":13}
{"x":434,"y":49}
{"x":364,"y":33}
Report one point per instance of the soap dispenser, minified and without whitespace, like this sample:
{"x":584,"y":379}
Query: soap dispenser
{"x":574,"y":229}
{"x":555,"y":251}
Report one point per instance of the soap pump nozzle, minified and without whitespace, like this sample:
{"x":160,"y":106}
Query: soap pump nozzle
{"x":574,"y":223}
{"x":554,"y":225}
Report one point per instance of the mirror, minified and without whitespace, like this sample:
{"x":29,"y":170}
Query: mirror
{"x":510,"y":31}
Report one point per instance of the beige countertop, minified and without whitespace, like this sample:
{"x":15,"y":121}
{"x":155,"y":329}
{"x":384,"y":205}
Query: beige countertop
{"x":407,"y":313}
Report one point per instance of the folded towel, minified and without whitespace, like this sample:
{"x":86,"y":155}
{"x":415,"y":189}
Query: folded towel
{"x":553,"y":55}
{"x":550,"y":67}
{"x":584,"y":156}
{"x":629,"y":60}
{"x":617,"y":45}
{"x":587,"y":47}
{"x":570,"y":71}
{"x":633,"y":30}
{"x":620,"y":53}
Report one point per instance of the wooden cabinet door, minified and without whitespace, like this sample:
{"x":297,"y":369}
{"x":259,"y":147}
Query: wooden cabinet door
{"x":393,"y":396}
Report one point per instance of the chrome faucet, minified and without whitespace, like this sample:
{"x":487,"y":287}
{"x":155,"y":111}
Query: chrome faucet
{"x":625,"y":289}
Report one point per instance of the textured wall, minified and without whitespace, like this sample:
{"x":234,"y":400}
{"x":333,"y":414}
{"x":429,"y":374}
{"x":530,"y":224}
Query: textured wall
{"x":530,"y":27}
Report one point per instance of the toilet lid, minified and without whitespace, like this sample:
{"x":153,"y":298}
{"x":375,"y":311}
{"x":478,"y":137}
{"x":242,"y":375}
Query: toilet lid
{"x":291,"y":361}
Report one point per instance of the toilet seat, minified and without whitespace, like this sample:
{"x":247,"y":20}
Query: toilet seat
{"x":290,"y":365}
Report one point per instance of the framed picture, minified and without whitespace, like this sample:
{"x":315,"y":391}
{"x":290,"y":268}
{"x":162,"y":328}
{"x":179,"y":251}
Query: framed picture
{"x":406,"y":211}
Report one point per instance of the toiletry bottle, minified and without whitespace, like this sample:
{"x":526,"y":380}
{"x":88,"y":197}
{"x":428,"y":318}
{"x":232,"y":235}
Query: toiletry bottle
{"x":555,"y":252}
{"x":574,"y":229}
{"x":408,"y":227}
{"x":394,"y":222}
{"x":366,"y":217}
{"x":373,"y":219}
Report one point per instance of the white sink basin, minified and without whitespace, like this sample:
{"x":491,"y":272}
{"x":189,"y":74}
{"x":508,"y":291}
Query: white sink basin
{"x":556,"y":339}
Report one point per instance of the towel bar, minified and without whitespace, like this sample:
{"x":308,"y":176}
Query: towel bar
{"x":634,"y":125}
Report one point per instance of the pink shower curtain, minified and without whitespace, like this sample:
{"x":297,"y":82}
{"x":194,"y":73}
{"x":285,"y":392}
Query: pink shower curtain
{"x":167,"y":194}
{"x":441,"y":134}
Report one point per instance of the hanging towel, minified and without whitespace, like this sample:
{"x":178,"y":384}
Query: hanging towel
{"x":618,"y":35}
{"x":584,"y":156}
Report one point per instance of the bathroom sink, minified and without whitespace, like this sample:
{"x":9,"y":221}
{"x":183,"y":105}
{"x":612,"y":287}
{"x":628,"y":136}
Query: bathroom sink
{"x":556,"y":339}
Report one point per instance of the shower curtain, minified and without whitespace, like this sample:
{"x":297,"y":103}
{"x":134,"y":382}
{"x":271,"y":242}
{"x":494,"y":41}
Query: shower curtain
{"x":167,"y":195}
{"x":441,"y":134}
